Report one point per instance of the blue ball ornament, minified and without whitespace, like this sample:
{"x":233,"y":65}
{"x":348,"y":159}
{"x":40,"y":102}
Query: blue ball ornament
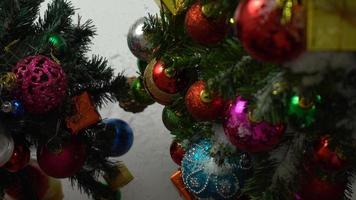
{"x":17,"y":108}
{"x":123,"y":137}
{"x":206,"y":179}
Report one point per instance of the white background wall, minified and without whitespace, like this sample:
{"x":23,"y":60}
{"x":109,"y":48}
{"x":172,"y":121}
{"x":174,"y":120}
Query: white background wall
{"x":149,"y":159}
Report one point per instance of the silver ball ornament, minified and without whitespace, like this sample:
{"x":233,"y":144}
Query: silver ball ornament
{"x":6,"y":107}
{"x":6,"y":147}
{"x":137,"y":41}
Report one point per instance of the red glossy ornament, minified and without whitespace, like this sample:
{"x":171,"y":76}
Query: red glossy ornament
{"x":177,"y":152}
{"x":156,"y":93}
{"x":19,"y":159}
{"x":202,"y":29}
{"x":327,"y":158}
{"x":264,"y":35}
{"x":65,"y":162}
{"x":35,"y":178}
{"x":314,"y":188}
{"x":164,"y":78}
{"x":201,"y":105}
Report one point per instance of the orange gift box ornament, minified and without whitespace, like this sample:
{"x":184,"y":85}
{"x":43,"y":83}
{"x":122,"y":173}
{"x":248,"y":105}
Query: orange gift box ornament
{"x":120,"y":178}
{"x":85,"y":116}
{"x":331,"y":25}
{"x":177,"y":180}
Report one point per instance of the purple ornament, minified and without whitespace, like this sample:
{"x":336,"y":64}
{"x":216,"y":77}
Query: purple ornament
{"x":41,"y":83}
{"x":247,"y":135}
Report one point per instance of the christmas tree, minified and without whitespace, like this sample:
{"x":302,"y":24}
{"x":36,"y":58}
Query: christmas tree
{"x":50,"y":93}
{"x":259,"y":95}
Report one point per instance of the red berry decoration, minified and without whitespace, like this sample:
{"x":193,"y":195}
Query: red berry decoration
{"x":19,"y":159}
{"x":177,"y":152}
{"x":202,"y":105}
{"x":267,"y":33}
{"x":327,"y":158}
{"x":35,"y":180}
{"x":41,"y":83}
{"x":246,"y":133}
{"x":202,"y":29}
{"x":64,"y":162}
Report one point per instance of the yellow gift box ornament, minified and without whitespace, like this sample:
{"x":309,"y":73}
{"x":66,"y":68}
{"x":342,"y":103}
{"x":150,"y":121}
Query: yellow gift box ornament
{"x":119,"y":179}
{"x":174,"y":6}
{"x":331,"y":25}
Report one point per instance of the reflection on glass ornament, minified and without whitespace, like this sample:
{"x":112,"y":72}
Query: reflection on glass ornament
{"x":123,"y":137}
{"x":6,"y":147}
{"x":137,"y":42}
{"x":19,"y":159}
{"x":206,"y":179}
{"x":245,"y":133}
{"x":17,"y":108}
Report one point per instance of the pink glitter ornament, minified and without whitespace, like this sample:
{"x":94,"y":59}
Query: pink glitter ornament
{"x":247,"y":135}
{"x":41,"y":83}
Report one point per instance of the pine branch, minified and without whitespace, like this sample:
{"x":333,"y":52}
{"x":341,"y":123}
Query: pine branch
{"x":57,"y":17}
{"x":87,"y":183}
{"x":17,"y":17}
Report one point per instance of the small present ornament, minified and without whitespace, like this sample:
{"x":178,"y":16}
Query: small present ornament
{"x":54,"y":191}
{"x":177,"y":180}
{"x":174,"y":6}
{"x":122,"y":178}
{"x":86,"y":114}
{"x":331,"y":25}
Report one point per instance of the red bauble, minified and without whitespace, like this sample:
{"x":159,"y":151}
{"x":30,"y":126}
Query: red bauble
{"x":165,"y":79}
{"x":327,"y":158}
{"x":36,"y":182}
{"x":263,"y":34}
{"x":202,"y":29}
{"x":315,"y":188}
{"x":65,"y":162}
{"x":19,"y":159}
{"x":159,"y":85}
{"x":201,"y":105}
{"x":177,"y":152}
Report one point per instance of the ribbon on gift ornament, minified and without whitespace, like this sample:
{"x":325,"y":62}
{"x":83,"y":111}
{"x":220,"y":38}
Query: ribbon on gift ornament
{"x":174,"y":6}
{"x":331,"y":25}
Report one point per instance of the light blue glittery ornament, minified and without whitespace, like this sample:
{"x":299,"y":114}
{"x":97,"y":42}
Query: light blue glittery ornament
{"x":205,"y":179}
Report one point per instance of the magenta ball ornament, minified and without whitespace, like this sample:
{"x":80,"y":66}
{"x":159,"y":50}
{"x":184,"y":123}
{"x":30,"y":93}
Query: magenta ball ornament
{"x":63,"y":162}
{"x":246,"y":134}
{"x":41,"y":83}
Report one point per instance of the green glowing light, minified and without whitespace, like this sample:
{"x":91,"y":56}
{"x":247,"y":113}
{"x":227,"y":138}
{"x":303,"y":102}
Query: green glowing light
{"x":57,"y":42}
{"x":295,"y":100}
{"x":54,"y":40}
{"x":304,"y":117}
